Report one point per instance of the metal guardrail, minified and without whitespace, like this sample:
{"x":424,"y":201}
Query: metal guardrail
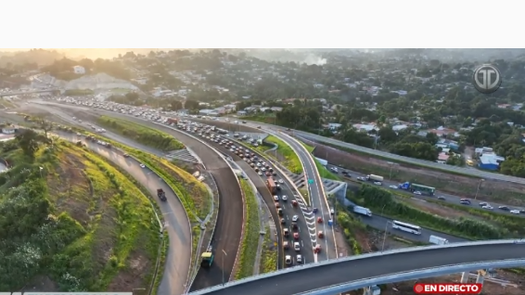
{"x":413,"y":275}
{"x":350,"y":259}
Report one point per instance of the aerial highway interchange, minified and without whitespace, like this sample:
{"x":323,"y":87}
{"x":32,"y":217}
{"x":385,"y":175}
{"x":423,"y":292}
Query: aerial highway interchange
{"x":230,"y":228}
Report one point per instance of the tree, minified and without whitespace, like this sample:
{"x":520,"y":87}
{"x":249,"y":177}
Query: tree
{"x":28,"y":141}
{"x":43,"y":124}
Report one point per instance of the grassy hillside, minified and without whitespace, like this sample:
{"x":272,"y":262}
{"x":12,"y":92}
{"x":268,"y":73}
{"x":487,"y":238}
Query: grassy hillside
{"x":69,"y":221}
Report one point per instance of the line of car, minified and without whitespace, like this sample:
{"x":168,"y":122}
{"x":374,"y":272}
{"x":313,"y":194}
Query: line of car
{"x":291,"y":237}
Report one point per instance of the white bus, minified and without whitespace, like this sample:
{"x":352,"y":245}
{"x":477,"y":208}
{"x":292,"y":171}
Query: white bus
{"x":407,"y":227}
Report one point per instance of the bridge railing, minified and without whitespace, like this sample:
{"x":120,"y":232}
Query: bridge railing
{"x":353,"y":258}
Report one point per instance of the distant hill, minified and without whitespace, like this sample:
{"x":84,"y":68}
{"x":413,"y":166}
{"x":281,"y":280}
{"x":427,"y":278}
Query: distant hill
{"x":40,"y":57}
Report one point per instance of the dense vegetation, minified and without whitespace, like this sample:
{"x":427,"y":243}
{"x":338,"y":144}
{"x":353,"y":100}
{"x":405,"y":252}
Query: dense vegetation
{"x":63,"y":68}
{"x":68,"y":215}
{"x":350,"y":224}
{"x":382,"y":200}
{"x":269,"y":254}
{"x":250,"y":241}
{"x":140,"y":133}
{"x":291,"y":160}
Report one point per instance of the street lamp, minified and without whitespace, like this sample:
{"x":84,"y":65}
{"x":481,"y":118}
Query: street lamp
{"x":384,"y":235}
{"x":224,"y":252}
{"x":479,"y":186}
{"x":40,"y":169}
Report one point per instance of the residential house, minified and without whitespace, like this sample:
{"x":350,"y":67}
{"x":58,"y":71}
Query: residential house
{"x":208,"y":112}
{"x":490,"y":161}
{"x":79,"y":70}
{"x":242,"y":113}
{"x":334,"y":126}
{"x":9,"y":130}
{"x":365,"y":127}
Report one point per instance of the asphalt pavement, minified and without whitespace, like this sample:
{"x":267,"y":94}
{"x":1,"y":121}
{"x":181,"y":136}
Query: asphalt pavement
{"x":447,"y":197}
{"x":315,"y":189}
{"x":176,"y":223}
{"x":288,"y":210}
{"x":307,"y":279}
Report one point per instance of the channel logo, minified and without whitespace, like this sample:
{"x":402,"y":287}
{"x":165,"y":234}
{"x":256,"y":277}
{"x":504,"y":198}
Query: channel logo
{"x":447,"y":288}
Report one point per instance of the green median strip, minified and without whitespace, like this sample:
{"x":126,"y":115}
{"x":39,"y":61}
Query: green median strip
{"x":141,"y":133}
{"x":269,"y":254}
{"x":291,"y":160}
{"x":250,"y":240}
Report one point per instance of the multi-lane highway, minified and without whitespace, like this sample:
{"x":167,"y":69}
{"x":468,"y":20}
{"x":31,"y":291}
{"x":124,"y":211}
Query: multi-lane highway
{"x":443,"y":197}
{"x":314,"y":184}
{"x":176,"y":223}
{"x":228,"y":228}
{"x":306,"y":235}
{"x":338,"y":272}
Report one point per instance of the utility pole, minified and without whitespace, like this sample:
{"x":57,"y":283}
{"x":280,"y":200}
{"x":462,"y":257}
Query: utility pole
{"x":479,"y":186}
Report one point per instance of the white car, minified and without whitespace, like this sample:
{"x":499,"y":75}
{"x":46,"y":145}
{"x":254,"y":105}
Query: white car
{"x":276,"y":198}
{"x":417,"y":193}
{"x":488,"y":207}
{"x":393,"y":186}
{"x":299,"y":258}
{"x":297,"y":246}
{"x":284,"y":198}
{"x":260,"y":173}
{"x":142,"y":165}
{"x":515,"y":211}
{"x":281,"y":181}
{"x":288,"y":260}
{"x":295,"y":218}
{"x":377,"y":183}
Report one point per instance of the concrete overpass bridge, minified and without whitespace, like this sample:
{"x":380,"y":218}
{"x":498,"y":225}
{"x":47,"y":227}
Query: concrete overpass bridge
{"x":356,"y":272}
{"x":29,"y":92}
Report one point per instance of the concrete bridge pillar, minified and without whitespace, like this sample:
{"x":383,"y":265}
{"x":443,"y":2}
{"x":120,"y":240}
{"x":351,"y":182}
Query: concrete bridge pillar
{"x":481,"y":276}
{"x":464,"y":277}
{"x":367,"y":291}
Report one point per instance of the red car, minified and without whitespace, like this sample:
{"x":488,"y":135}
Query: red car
{"x":294,"y":203}
{"x":317,"y":249}
{"x":319,"y":220}
{"x":296,"y":236}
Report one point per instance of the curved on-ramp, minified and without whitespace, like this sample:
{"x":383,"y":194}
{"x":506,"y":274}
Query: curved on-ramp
{"x":381,"y":266}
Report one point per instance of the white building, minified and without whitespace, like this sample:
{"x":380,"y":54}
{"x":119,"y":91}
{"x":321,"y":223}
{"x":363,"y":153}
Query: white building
{"x":334,"y":126}
{"x":79,"y":70}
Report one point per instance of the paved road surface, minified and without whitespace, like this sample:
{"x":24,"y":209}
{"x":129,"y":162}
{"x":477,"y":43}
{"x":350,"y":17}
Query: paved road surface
{"x":314,"y":189}
{"x":179,"y":253}
{"x":288,"y":210}
{"x":307,"y":279}
{"x":448,"y":198}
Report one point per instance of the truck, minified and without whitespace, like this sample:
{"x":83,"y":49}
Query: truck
{"x":173,"y":121}
{"x":363,"y":211}
{"x":207,"y":258}
{"x":161,"y":194}
{"x":271,"y":185}
{"x":437,"y":240}
{"x":408,"y":186}
{"x":373,"y":177}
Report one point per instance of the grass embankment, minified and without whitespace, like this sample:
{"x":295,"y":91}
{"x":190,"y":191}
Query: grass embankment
{"x":88,"y":226}
{"x":381,"y":200}
{"x":250,"y":242}
{"x":291,"y":160}
{"x":140,"y":133}
{"x":269,"y":254}
{"x":350,"y":224}
{"x":193,"y":195}
{"x":324,"y":173}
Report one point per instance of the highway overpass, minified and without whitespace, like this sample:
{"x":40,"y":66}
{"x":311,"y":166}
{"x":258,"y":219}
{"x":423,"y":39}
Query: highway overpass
{"x":28,"y":92}
{"x":335,"y":276}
